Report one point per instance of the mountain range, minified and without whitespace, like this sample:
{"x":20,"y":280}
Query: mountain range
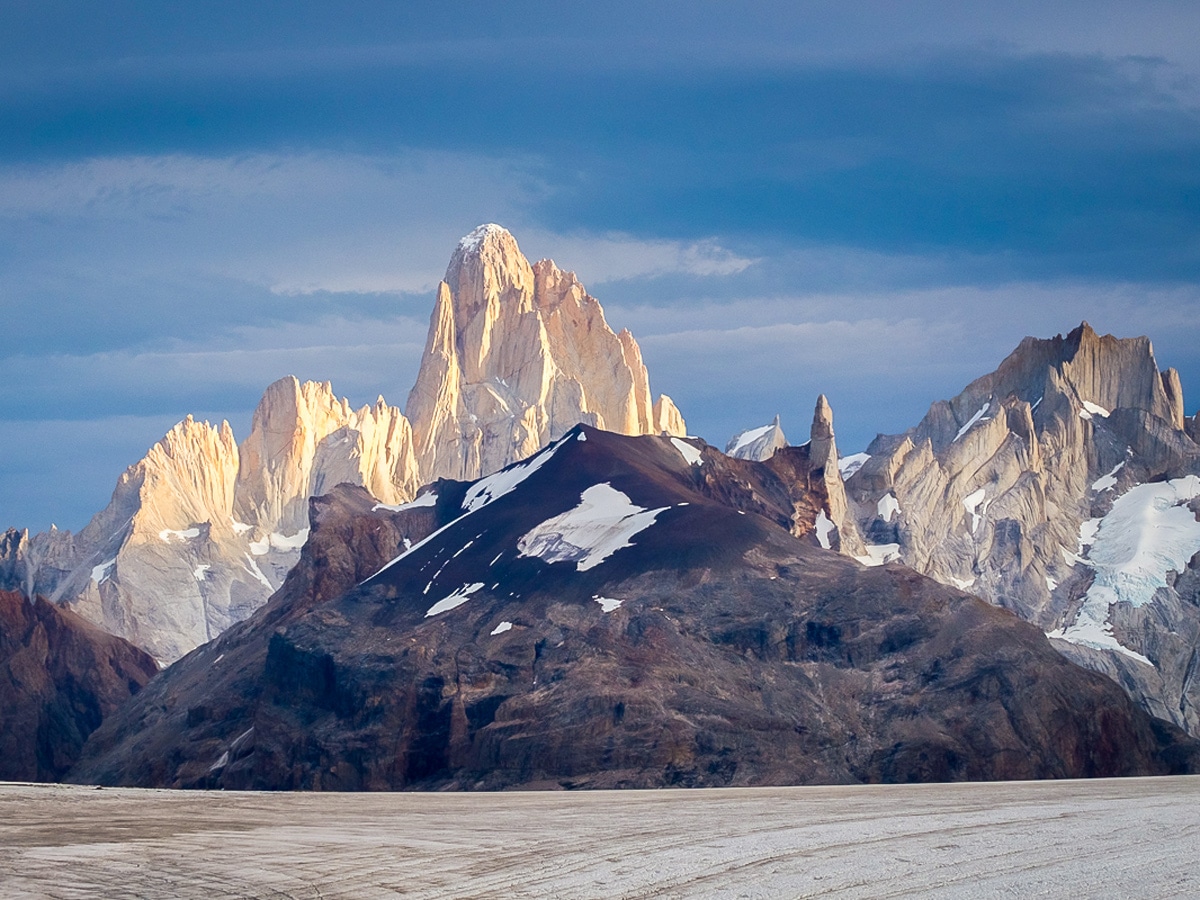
{"x":1063,"y":486}
{"x":202,"y":530}
{"x":633,"y":607}
{"x":616,"y":612}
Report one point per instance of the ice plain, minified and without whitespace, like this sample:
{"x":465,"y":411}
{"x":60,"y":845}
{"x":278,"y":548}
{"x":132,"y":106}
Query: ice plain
{"x":1133,"y":837}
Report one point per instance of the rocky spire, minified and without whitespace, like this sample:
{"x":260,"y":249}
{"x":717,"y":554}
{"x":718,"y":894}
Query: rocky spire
{"x":667,"y":417}
{"x":1003,"y":489}
{"x":823,"y":459}
{"x":200,"y":532}
{"x":303,"y":440}
{"x":144,"y":562}
{"x":516,"y":355}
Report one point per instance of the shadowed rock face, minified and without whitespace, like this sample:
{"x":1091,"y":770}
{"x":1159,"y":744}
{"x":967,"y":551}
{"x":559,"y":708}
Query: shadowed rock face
{"x":715,"y":644}
{"x":59,"y":678}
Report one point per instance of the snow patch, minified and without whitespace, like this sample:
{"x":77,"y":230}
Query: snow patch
{"x":167,"y":535}
{"x":607,"y":604}
{"x":475,"y":238}
{"x":429,"y":499}
{"x":582,"y":436}
{"x":1092,"y":409}
{"x":288,"y":541}
{"x":100,"y":572}
{"x":887,"y":507}
{"x":1107,"y":482}
{"x":971,"y":504}
{"x":1051,"y":584}
{"x":963,"y":584}
{"x":254,"y":570}
{"x":878,"y":554}
{"x":602,"y":523}
{"x":502,"y":627}
{"x":1148,"y":533}
{"x":971,"y":421}
{"x":689,"y":453}
{"x":239,"y":527}
{"x":848,"y":465}
{"x":277,"y":541}
{"x":493,"y":487}
{"x":824,"y":529}
{"x":458,"y":598}
{"x":1087,"y":537}
{"x":200,"y":573}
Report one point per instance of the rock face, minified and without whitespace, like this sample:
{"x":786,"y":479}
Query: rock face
{"x":304,"y":440}
{"x":60,"y":677}
{"x":757,"y":443}
{"x":823,"y":455}
{"x":200,"y":532}
{"x":516,"y":355}
{"x":1007,"y":490}
{"x":617,"y":612}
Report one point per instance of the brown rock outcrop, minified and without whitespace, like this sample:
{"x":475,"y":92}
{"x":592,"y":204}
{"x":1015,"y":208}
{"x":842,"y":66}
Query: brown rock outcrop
{"x":60,"y":677}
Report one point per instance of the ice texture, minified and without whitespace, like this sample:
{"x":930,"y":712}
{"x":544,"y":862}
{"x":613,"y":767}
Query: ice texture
{"x":1148,"y":533}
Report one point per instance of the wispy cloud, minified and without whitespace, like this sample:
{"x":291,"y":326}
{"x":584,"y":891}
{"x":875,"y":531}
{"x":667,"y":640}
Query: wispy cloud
{"x":292,"y":222}
{"x":605,"y":258}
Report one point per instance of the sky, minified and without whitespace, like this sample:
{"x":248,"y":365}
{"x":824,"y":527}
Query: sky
{"x":871,"y":200}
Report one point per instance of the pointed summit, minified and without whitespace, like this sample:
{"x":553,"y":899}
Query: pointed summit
{"x":482,"y":234}
{"x":517,"y":355}
{"x":823,"y":458}
{"x":757,"y":443}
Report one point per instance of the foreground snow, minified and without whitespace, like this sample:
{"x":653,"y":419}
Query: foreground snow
{"x":1122,"y":837}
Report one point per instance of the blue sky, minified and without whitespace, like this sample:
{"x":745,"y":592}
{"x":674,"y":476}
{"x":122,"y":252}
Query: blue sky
{"x":871,"y":200}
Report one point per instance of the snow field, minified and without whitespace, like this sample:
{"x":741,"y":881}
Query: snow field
{"x":1148,"y":533}
{"x":604,"y":521}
